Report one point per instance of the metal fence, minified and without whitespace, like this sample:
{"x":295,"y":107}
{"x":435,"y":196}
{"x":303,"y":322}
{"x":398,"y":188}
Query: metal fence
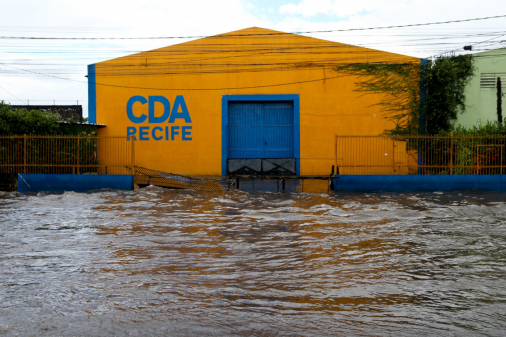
{"x":415,"y":154}
{"x":64,"y":154}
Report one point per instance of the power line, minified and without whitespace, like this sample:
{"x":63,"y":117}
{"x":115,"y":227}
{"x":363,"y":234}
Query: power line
{"x":186,"y":89}
{"x":196,"y":66}
{"x":46,"y":100}
{"x":452,"y":51}
{"x":203,"y":48}
{"x":240,"y":35}
{"x":11,"y":94}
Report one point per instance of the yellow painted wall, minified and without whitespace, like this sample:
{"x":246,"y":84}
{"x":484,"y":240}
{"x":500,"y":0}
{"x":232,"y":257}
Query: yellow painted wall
{"x":247,"y":62}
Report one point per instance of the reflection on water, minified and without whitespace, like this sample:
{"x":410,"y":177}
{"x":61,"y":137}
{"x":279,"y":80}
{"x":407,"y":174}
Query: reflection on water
{"x":156,"y":262}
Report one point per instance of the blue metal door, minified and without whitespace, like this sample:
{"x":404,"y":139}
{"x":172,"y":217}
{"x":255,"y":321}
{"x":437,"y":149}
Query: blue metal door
{"x":261,"y":130}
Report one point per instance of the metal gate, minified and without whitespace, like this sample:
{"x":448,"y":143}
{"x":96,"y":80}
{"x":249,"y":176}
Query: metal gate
{"x":261,"y":138}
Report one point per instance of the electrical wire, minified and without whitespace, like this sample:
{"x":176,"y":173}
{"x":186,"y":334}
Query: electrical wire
{"x":12,"y":94}
{"x":50,"y":100}
{"x":199,"y":58}
{"x":241,"y":35}
{"x":452,"y":51}
{"x":182,"y":89}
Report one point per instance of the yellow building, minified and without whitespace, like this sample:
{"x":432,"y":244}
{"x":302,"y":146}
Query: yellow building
{"x":253,"y":100}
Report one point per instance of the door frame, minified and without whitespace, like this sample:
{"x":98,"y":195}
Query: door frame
{"x":226,"y":99}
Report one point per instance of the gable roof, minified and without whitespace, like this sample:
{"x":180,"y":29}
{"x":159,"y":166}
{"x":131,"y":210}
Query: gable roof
{"x":249,"y":49}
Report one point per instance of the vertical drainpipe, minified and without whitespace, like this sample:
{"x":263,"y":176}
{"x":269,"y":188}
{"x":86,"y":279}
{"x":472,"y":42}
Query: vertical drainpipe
{"x":92,"y":95}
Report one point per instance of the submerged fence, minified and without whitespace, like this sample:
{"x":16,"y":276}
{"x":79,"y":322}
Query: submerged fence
{"x":414,"y":154}
{"x":64,"y":154}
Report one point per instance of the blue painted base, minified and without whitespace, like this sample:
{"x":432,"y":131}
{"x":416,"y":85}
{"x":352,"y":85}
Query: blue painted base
{"x":394,"y":183}
{"x":28,"y":182}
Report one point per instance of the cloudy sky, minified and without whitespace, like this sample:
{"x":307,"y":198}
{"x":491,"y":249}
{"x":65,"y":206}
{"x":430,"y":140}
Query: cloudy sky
{"x":43,"y":71}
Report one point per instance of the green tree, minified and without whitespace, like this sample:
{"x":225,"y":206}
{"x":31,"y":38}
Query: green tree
{"x":22,"y":121}
{"x":441,"y":83}
{"x":445,"y":79}
{"x":36,"y":122}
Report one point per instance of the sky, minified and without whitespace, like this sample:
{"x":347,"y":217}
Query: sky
{"x":52,"y":71}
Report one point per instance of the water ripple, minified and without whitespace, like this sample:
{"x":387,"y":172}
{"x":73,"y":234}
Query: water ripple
{"x":156,"y":262}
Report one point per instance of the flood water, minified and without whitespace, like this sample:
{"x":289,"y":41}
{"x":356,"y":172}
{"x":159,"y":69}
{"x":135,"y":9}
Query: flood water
{"x":158,"y":262}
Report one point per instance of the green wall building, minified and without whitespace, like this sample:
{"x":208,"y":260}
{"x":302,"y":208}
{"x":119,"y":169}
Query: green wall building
{"x":481,"y":94}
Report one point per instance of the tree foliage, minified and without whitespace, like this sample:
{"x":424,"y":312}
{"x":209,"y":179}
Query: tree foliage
{"x":492,"y":128}
{"x":445,"y":80}
{"x":441,"y":82}
{"x":36,"y":122}
{"x":468,"y":155}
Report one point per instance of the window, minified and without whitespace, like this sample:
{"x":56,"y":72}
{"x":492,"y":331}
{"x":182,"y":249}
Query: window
{"x":489,"y":80}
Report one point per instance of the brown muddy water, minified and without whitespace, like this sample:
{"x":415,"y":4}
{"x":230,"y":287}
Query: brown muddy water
{"x":157,"y":262}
